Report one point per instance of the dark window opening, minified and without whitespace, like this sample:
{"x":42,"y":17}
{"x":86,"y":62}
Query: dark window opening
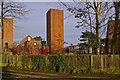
{"x":6,"y":46}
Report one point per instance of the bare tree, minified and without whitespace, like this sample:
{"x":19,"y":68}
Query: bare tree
{"x":92,"y":14}
{"x":12,"y":10}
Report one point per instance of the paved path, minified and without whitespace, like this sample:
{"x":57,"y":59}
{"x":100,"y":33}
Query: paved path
{"x":26,"y":75}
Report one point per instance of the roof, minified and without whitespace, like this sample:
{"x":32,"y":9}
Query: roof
{"x":53,"y":9}
{"x":26,"y":39}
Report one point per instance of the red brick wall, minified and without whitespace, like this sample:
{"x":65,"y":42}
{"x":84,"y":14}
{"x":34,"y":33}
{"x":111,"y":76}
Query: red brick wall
{"x":31,"y":43}
{"x":55,"y":30}
{"x":110,"y":36}
{"x":8,"y":32}
{"x":26,"y":39}
{"x":28,"y":48}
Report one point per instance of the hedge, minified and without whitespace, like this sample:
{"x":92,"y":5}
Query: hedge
{"x":65,"y":63}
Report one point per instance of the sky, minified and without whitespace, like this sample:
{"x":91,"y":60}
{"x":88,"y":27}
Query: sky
{"x":34,"y":23}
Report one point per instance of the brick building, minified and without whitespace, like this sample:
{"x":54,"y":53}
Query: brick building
{"x":30,"y":46}
{"x":30,"y":42}
{"x":109,"y":37}
{"x":7,"y":34}
{"x":55,"y":30}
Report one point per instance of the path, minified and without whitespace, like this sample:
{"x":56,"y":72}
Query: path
{"x":26,"y":75}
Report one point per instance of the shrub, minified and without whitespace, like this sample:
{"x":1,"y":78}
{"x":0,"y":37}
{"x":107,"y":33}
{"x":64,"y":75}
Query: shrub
{"x":64,"y":63}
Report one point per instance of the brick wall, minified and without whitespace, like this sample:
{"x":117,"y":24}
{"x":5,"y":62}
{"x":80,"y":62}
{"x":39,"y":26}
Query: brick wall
{"x":55,"y":30}
{"x":8,"y":32}
{"x":110,"y":36}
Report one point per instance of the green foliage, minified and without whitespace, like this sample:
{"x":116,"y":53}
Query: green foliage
{"x":38,"y":38}
{"x":89,"y":39}
{"x":67,"y":50}
{"x":63,"y":63}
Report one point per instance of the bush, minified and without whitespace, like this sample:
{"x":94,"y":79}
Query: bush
{"x":64,"y":63}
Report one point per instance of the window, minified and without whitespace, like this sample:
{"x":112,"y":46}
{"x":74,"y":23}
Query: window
{"x":34,"y":44}
{"x":28,"y":38}
{"x":6,"y":23}
{"x":6,"y":45}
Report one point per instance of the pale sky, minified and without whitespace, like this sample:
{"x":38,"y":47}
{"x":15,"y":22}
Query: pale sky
{"x":34,"y":23}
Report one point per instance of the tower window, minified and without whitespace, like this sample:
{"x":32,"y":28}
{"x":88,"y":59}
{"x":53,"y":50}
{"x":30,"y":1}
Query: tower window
{"x":6,"y":23}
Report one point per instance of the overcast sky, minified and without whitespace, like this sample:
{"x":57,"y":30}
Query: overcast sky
{"x":34,"y":23}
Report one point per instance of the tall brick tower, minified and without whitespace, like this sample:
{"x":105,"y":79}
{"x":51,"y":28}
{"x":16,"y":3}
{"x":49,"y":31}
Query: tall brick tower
{"x":7,"y":33}
{"x":109,"y":37}
{"x":55,"y":30}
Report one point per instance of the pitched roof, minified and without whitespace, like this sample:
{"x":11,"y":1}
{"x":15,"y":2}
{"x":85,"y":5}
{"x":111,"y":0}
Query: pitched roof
{"x":26,"y":39}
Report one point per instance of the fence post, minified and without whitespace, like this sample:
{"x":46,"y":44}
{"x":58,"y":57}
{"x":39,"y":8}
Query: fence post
{"x":102,"y":62}
{"x":91,"y":61}
{"x":6,"y":59}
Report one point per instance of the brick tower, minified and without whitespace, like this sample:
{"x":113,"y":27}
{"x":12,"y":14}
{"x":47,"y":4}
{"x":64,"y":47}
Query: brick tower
{"x":109,"y":37}
{"x":7,"y":34}
{"x":55,"y":31}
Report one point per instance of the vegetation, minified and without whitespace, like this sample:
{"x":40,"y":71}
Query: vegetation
{"x":94,"y":14}
{"x":38,"y":38}
{"x":89,"y":40}
{"x":67,"y":50}
{"x":12,"y":10}
{"x":65,"y":63}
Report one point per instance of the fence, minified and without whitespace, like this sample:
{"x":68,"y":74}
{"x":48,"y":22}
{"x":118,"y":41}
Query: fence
{"x":66,"y":63}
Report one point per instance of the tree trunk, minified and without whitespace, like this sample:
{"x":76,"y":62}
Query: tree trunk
{"x":98,"y":32}
{"x":2,"y":26}
{"x":98,"y":9}
{"x":115,"y":31}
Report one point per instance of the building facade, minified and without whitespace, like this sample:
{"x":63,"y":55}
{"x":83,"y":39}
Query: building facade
{"x":30,"y":46}
{"x":55,"y":30}
{"x":7,"y":34}
{"x":109,"y":37}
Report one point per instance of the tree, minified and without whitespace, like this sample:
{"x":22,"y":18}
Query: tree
{"x":89,"y":39}
{"x":11,"y":10}
{"x":67,"y":50}
{"x":97,"y":12}
{"x":15,"y":44}
{"x":14,"y":10}
{"x":38,"y":38}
